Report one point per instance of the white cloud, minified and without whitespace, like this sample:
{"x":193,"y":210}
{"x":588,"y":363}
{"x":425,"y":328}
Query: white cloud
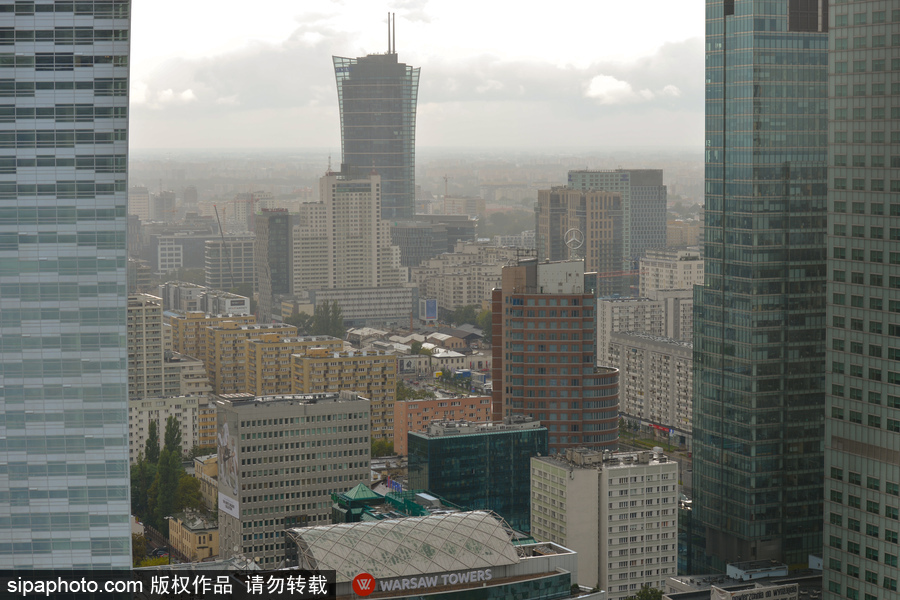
{"x":606,"y":89}
{"x":671,"y":90}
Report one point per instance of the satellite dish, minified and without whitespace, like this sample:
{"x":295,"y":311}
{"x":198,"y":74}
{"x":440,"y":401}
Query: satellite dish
{"x":574,"y":238}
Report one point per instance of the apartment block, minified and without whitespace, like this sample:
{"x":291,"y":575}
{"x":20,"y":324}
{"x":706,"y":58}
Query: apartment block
{"x":229,"y":263}
{"x":371,"y":373}
{"x":268,"y":360}
{"x":618,"y":511}
{"x":280,"y":459}
{"x":683,"y":233}
{"x":189,"y":330}
{"x":226,"y":359}
{"x":143,"y":411}
{"x":667,"y":313}
{"x":670,"y":269}
{"x":145,"y":346}
{"x":655,"y":382}
{"x":417,"y":415}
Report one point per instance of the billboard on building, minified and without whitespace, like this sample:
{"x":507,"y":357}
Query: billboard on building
{"x":428,"y":309}
{"x":227,"y":447}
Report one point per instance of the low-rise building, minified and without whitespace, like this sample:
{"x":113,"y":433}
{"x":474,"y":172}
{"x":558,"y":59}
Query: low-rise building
{"x":141,"y":411}
{"x":194,"y":535}
{"x":617,"y":511}
{"x":206,"y":469}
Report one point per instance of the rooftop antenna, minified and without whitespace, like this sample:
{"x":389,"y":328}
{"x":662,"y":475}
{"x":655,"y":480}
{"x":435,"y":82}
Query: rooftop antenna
{"x":394,"y":44}
{"x":389,"y":32}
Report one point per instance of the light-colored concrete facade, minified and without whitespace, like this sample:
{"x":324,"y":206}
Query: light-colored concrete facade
{"x":370,"y":373}
{"x":655,"y":381}
{"x":194,"y":535}
{"x":280,"y":459}
{"x":667,"y":313}
{"x":226,"y":358}
{"x":618,"y":511}
{"x":670,"y":269}
{"x":143,"y":411}
{"x":268,"y":360}
{"x":189,"y":330}
{"x":145,"y":347}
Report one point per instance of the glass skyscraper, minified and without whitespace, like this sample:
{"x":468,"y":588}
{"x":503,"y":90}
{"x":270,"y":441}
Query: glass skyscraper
{"x":64,"y":487}
{"x":377,"y":98}
{"x":862,"y":429}
{"x":759,"y":326}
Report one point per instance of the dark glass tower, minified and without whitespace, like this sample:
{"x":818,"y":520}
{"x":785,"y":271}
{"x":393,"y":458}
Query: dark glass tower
{"x":377,"y":99}
{"x":862,"y":432}
{"x":759,"y":326}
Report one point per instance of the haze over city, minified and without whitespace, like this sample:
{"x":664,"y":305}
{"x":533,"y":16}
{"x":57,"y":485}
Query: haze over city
{"x":597,"y":75}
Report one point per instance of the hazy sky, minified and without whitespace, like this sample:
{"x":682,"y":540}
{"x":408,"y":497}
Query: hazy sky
{"x":579,"y":74}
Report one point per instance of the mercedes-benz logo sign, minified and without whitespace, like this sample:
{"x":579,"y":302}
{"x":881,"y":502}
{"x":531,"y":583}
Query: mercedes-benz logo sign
{"x":574,"y":239}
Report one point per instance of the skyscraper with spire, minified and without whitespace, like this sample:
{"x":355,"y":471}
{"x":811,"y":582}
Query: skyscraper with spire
{"x":377,"y":97}
{"x":759,"y":325}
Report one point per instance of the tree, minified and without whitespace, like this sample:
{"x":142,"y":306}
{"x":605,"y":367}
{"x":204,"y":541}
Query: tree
{"x":647,"y":593}
{"x":142,"y":476}
{"x":382,"y":447}
{"x":153,"y":561}
{"x":166,"y":483}
{"x":173,"y":436}
{"x":328,"y":319}
{"x":187,"y":494}
{"x":415,"y":347}
{"x":483,"y":322}
{"x":201,"y":451}
{"x":464,"y":314}
{"x":138,"y":548}
{"x":301,"y":321}
{"x":152,"y":452}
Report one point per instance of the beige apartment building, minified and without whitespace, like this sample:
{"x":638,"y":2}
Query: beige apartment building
{"x":370,"y":373}
{"x":670,"y":269}
{"x":145,"y":347}
{"x":189,"y":330}
{"x":268,"y":360}
{"x":226,"y":354}
{"x":194,"y":535}
{"x":143,"y":411}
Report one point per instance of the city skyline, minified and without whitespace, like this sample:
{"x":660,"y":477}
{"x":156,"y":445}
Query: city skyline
{"x":268,"y":74}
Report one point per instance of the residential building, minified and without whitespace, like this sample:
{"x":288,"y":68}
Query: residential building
{"x":143,"y":411}
{"x":226,"y":359}
{"x":189,"y":330}
{"x":617,"y":511}
{"x":194,"y":535}
{"x":479,"y":465}
{"x":184,"y":375}
{"x":655,"y":383}
{"x":268,"y":360}
{"x":668,"y":313}
{"x":584,"y":224}
{"x":139,"y":203}
{"x":470,"y":206}
{"x":371,"y":373}
{"x":544,"y":355}
{"x":377,"y":101}
{"x":63,"y":224}
{"x":206,"y":425}
{"x":230,"y":263}
{"x":258,"y":432}
{"x":182,"y":296}
{"x":145,"y":346}
{"x":670,"y":269}
{"x":759,"y":320}
{"x":683,"y":233}
{"x":643,"y":206}
{"x":206,"y":469}
{"x":416,"y":415}
{"x":862,"y":416}
{"x":360,"y":307}
{"x":218,"y":302}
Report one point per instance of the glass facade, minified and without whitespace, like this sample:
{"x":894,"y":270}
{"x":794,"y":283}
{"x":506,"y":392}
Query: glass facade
{"x":485,"y":470}
{"x":377,"y":98}
{"x":862,"y":430}
{"x":759,"y":324}
{"x":64,"y":487}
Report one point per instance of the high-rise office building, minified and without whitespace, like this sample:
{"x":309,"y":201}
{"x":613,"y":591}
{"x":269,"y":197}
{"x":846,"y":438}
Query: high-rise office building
{"x":643,"y":206}
{"x":588,"y":224}
{"x":544,"y":355}
{"x":862,"y":417}
{"x":479,"y":465}
{"x":759,"y":342}
{"x":63,"y":362}
{"x":377,"y":98}
{"x":273,"y":255}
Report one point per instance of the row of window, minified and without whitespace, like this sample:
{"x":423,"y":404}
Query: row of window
{"x":62,"y":35}
{"x":59,"y":61}
{"x":104,"y":86}
{"x":861,"y":66}
{"x":59,"y":139}
{"x":101,"y":9}
{"x":63,"y":113}
{"x":860,"y":113}
{"x":99,"y":164}
{"x":872,"y":483}
{"x":858,"y":184}
{"x":862,"y":18}
{"x":859,"y":160}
